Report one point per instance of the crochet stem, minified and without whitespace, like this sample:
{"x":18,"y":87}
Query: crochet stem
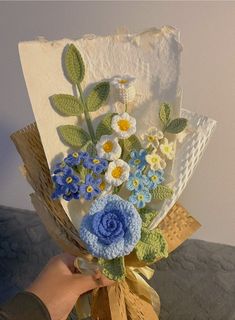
{"x":87,"y":115}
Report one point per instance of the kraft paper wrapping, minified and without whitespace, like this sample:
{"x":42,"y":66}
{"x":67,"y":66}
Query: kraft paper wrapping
{"x":118,"y":301}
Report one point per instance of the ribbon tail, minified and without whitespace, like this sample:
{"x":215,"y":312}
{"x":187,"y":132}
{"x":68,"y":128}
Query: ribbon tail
{"x":138,"y":285}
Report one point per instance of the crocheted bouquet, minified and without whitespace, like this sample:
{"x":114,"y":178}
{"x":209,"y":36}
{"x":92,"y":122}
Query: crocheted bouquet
{"x":108,"y":159}
{"x":123,"y":175}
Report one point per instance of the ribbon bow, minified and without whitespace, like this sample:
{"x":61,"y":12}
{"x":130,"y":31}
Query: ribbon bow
{"x":134,"y":280}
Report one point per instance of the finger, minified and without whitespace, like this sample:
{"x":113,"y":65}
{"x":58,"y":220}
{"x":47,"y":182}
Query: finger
{"x":68,"y":259}
{"x":64,"y":261}
{"x":102,"y":279}
{"x":83,"y":283}
{"x":97,"y":274}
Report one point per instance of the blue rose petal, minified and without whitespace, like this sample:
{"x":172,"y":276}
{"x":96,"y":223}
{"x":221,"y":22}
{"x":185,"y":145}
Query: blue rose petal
{"x":112,"y":227}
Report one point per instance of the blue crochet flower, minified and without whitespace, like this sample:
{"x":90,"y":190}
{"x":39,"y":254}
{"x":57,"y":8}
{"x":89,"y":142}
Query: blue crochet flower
{"x":59,"y":167}
{"x":112,"y":227}
{"x":155,"y":178}
{"x":71,"y":195}
{"x":66,"y":181}
{"x":63,"y":192}
{"x":91,"y":187}
{"x":58,"y":192}
{"x":140,"y":197}
{"x":138,"y":159}
{"x":73,"y":159}
{"x":97,"y":165}
{"x":84,"y":155}
{"x":136,"y":181}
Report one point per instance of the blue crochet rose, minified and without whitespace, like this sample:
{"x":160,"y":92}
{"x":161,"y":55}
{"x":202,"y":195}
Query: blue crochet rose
{"x":112,"y":227}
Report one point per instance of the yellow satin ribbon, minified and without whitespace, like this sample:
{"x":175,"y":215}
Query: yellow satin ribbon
{"x":140,"y":287}
{"x":134,"y":280}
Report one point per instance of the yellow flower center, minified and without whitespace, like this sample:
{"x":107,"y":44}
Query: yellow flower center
{"x":155,"y":159}
{"x":140,"y":197}
{"x":151,"y":138}
{"x":108,"y":146}
{"x":123,"y":81}
{"x":166,"y":149}
{"x":154,"y":178}
{"x":102,"y":186}
{"x":137,"y":161}
{"x":117,"y":172}
{"x":63,"y":164}
{"x":96,"y":161}
{"x":135,"y":183}
{"x":89,"y":189}
{"x":75,"y":155}
{"x":69,"y":179}
{"x":124,"y":124}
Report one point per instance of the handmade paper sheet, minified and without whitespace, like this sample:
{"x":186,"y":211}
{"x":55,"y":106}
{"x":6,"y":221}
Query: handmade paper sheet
{"x":153,"y":57}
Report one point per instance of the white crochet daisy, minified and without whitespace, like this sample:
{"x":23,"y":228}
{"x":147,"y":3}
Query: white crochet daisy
{"x":108,"y":147}
{"x":117,"y":173}
{"x":124,"y":125}
{"x":125,"y":88}
{"x":155,"y":161}
{"x":168,"y":149}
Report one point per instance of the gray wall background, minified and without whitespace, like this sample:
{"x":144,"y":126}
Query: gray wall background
{"x":208,"y":79}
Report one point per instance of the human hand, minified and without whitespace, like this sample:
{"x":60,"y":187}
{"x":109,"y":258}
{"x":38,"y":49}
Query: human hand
{"x":58,"y":286}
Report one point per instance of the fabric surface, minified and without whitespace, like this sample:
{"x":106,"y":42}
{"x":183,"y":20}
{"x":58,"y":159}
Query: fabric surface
{"x":25,"y":305}
{"x":197,"y":281}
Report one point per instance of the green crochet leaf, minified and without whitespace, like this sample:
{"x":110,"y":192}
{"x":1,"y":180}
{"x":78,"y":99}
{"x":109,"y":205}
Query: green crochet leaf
{"x":74,"y":65}
{"x":90,"y":148}
{"x":177,"y":125}
{"x":98,"y":96}
{"x":132,"y":143}
{"x":164,"y":113}
{"x":67,"y":105}
{"x":104,"y":127}
{"x":113,"y":269}
{"x":147,"y":214}
{"x":162,"y":192}
{"x":73,"y":135}
{"x":151,"y":246}
{"x":128,"y":145}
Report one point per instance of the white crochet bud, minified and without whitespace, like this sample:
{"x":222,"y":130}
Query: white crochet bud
{"x":125,"y":88}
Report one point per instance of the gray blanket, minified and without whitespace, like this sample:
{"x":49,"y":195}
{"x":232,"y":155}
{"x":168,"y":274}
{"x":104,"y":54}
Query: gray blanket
{"x":196,"y":282}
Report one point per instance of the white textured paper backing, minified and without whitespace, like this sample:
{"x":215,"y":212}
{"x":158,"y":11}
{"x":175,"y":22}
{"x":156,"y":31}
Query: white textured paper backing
{"x":153,"y":57}
{"x":187,"y":157}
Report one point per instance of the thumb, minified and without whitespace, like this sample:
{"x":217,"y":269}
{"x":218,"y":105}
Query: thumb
{"x":85,"y":282}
